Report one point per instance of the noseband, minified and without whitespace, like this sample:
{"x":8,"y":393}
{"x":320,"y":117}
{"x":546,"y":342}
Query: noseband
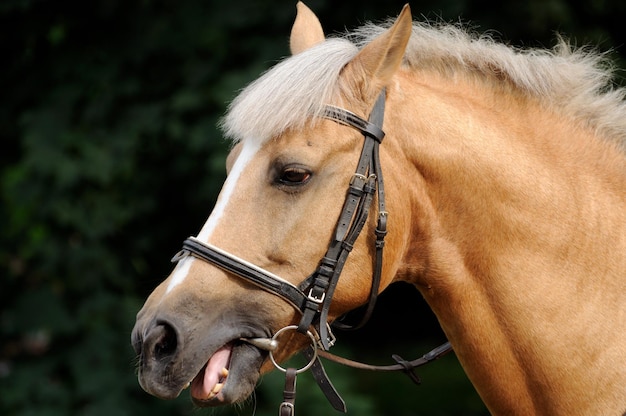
{"x":313,"y":297}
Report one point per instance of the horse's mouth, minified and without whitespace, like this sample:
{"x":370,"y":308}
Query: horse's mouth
{"x":217,"y":366}
{"x":208,"y":383}
{"x":228,"y":376}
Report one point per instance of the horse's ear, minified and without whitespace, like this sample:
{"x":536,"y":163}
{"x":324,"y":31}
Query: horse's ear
{"x":378,"y":61}
{"x":306,"y":31}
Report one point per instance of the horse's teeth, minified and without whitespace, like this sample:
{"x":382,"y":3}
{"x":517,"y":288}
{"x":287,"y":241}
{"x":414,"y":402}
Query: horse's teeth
{"x":217,"y":388}
{"x":187,"y":385}
{"x":224,"y":372}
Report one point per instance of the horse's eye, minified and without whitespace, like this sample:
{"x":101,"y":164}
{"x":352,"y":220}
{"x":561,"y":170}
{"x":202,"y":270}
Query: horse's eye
{"x":293,"y":176}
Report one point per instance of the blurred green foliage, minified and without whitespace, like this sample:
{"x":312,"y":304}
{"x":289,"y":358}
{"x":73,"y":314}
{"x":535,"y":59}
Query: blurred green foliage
{"x":110,"y":158}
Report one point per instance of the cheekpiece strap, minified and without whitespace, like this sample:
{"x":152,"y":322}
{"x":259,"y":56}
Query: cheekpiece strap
{"x":365,"y":182}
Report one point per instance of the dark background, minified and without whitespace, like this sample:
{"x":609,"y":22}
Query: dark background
{"x":110,"y":157}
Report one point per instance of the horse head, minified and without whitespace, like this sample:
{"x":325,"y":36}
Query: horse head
{"x":278,"y":210}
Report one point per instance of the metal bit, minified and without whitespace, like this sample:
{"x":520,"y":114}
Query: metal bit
{"x":267,"y":344}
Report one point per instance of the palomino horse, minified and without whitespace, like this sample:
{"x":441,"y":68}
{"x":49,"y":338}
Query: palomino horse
{"x":505,"y":187}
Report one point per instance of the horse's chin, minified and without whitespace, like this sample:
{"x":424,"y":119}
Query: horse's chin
{"x":229,"y":375}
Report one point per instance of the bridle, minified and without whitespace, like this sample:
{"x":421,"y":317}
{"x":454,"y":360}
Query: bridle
{"x":313,"y":297}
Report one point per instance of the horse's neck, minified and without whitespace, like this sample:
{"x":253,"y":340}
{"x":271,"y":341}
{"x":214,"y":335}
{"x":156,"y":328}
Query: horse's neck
{"x":527,"y":248}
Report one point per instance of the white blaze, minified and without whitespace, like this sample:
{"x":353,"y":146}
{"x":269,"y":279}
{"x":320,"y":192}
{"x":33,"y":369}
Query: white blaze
{"x":250,"y":147}
{"x":180,"y":272}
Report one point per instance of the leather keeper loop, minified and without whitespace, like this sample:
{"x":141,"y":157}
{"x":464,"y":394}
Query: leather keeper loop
{"x":347,"y":246}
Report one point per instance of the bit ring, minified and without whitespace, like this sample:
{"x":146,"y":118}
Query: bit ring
{"x":313,"y":342}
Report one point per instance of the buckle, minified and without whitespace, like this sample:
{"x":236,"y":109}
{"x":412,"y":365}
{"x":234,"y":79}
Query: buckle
{"x":331,"y":337}
{"x":358,"y":176}
{"x":286,"y":408}
{"x":316,"y":299}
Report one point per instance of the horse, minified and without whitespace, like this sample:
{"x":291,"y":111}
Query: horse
{"x":504,"y":200}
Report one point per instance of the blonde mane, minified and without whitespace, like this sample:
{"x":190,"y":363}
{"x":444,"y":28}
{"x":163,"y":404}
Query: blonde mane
{"x":576,"y":82}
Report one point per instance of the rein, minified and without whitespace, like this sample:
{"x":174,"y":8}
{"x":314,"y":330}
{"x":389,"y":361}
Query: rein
{"x":313,"y":297}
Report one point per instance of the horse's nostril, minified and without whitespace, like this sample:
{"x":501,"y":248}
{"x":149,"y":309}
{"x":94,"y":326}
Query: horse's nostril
{"x":166,"y":345}
{"x":159,"y":343}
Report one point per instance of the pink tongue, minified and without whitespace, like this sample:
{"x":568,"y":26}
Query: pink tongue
{"x":202,"y":386}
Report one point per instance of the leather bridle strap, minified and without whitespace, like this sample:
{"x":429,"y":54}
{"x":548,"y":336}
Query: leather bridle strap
{"x":239,"y":267}
{"x":402,"y":365}
{"x":287,"y":407}
{"x":320,"y":285}
{"x":376,"y":119}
